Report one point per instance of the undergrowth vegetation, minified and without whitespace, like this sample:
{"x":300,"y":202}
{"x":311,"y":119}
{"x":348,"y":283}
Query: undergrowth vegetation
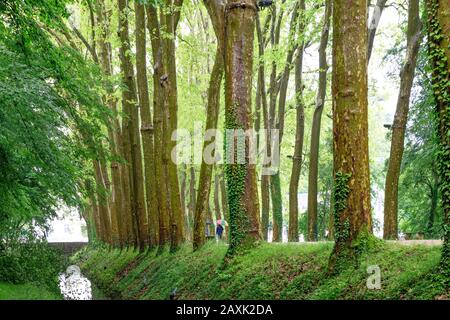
{"x":33,"y":263}
{"x":269,"y":271}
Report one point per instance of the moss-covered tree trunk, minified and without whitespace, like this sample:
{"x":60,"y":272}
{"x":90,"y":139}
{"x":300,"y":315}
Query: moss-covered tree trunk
{"x":277,"y":199}
{"x":158,"y":77}
{"x":438,"y":25}
{"x":94,"y":210}
{"x":192,"y":197}
{"x":352,"y":208}
{"x":216,"y":10}
{"x":146,"y":125}
{"x":131,"y":128}
{"x":116,"y":201}
{"x":102,"y":204}
{"x":299,"y":132}
{"x":170,"y":16}
{"x":187,"y":225}
{"x":265,"y":178}
{"x":400,"y":120}
{"x":217,"y":197}
{"x":275,"y":187}
{"x":223,"y":197}
{"x":316,"y":124}
{"x":241,"y":178}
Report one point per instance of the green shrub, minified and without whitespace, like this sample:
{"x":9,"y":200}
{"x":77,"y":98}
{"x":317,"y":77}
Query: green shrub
{"x":33,"y":262}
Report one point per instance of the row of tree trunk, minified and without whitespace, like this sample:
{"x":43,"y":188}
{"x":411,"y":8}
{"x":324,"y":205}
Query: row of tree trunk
{"x":139,"y":200}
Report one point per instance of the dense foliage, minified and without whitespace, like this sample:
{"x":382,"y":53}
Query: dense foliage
{"x":49,"y":110}
{"x":50,"y":118}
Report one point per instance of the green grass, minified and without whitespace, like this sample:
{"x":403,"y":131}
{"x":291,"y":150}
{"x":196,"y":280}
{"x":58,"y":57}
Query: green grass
{"x":26,"y":292}
{"x":270,"y":271}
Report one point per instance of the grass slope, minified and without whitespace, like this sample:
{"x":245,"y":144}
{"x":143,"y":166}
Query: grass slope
{"x":270,"y":271}
{"x":26,"y":292}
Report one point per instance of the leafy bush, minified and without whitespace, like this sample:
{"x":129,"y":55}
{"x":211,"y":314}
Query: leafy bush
{"x":33,"y":262}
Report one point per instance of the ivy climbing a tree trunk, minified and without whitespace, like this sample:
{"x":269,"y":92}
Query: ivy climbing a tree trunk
{"x":352,"y":216}
{"x":400,"y":120}
{"x":241,"y":178}
{"x":438,"y":25}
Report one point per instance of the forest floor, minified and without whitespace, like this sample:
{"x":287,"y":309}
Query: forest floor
{"x":26,"y":291}
{"x":270,"y":271}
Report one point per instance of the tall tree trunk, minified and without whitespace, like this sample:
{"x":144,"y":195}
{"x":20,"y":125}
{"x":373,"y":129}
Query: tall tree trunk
{"x":434,"y":198}
{"x":224,"y":198}
{"x":438,"y":14}
{"x":216,"y":12}
{"x":131,"y":128}
{"x":146,"y":125}
{"x":275,"y":186}
{"x":169,"y":19}
{"x":94,"y":210}
{"x":275,"y":183}
{"x":265,"y":178}
{"x":373,"y":25}
{"x":400,"y":120}
{"x":192,"y":197}
{"x":116,"y":203}
{"x":241,"y":178}
{"x":350,"y":129}
{"x":217,"y":197}
{"x":187,"y":226}
{"x":299,"y":133}
{"x":315,"y":130}
{"x":102,"y":202}
{"x":158,"y":109}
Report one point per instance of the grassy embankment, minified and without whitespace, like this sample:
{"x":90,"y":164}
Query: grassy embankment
{"x":271,"y":271}
{"x":26,"y":292}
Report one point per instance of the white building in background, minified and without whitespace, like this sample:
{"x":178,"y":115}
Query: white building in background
{"x":67,"y":227}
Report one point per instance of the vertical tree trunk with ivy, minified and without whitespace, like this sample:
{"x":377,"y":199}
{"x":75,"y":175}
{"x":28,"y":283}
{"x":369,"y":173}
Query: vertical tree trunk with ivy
{"x":146,"y":125}
{"x":215,"y":10}
{"x":131,"y":128}
{"x":241,"y":178}
{"x":438,"y":25}
{"x":400,"y":120}
{"x":352,"y":205}
{"x":316,"y":124}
